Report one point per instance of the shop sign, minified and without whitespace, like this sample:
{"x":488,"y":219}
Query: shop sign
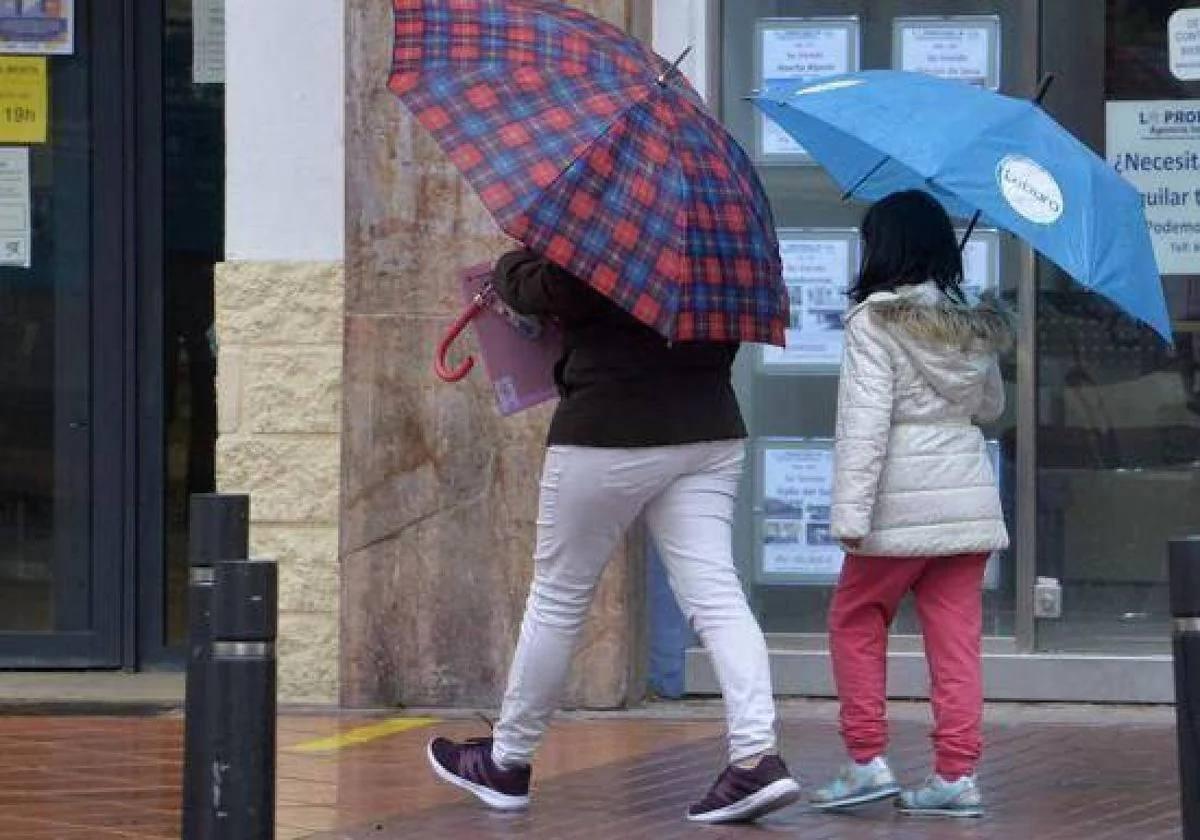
{"x":800,"y":49}
{"x":37,"y":27}
{"x":1155,"y":145}
{"x":15,"y":210}
{"x":24,"y":99}
{"x":965,"y":49}
{"x":1183,"y":33}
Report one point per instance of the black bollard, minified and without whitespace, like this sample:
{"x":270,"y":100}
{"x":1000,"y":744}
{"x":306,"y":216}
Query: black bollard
{"x":241,"y":683}
{"x":220,"y":530}
{"x":1185,"y":610}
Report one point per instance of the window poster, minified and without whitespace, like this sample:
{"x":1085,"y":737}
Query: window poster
{"x":24,"y":99}
{"x":796,"y":492}
{"x":1155,"y":145}
{"x":37,"y":27}
{"x":208,"y":42}
{"x":964,"y":48}
{"x":1183,"y":35}
{"x":796,"y":544}
{"x":818,"y":267}
{"x":981,"y":262}
{"x":800,"y":49}
{"x":15,"y":207}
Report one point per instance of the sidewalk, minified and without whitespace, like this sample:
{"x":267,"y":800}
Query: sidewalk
{"x":1052,"y":773}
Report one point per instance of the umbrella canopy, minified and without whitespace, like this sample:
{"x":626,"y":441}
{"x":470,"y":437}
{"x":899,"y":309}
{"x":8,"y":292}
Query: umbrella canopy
{"x":589,"y":149}
{"x":880,"y":131}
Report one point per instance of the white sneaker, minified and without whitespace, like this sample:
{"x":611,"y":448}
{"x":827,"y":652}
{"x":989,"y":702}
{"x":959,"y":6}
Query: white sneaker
{"x":939,"y":797}
{"x":857,"y":784}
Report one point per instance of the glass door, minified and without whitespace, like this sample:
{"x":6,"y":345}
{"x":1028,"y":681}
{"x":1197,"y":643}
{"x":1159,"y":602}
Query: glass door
{"x":1118,"y":418}
{"x":789,"y":396}
{"x":62,"y":349}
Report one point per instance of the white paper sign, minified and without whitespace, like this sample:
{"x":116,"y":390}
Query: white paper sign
{"x":980,"y":261}
{"x":1183,"y":33}
{"x":797,"y":490}
{"x":208,"y":41}
{"x":1155,"y":145}
{"x":800,"y":52}
{"x":37,"y":27}
{"x":15,"y":211}
{"x":962,"y":52}
{"x":817,"y":272}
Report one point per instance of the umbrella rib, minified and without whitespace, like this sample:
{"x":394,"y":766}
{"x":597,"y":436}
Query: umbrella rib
{"x":871,"y":174}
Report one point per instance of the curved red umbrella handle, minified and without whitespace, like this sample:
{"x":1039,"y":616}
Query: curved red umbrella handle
{"x":442,"y":367}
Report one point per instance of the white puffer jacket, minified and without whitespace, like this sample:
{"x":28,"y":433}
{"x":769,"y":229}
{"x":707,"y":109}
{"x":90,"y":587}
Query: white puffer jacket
{"x":913,"y":476}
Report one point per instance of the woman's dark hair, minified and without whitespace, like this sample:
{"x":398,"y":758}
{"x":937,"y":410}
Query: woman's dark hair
{"x":908,"y":240}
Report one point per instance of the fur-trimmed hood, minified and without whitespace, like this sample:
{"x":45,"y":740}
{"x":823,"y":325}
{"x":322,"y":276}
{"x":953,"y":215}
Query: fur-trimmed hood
{"x":929,"y":317}
{"x":953,"y":345}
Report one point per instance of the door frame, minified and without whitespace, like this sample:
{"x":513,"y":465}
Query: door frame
{"x":98,"y":646}
{"x":145,"y":579}
{"x":127,"y":478}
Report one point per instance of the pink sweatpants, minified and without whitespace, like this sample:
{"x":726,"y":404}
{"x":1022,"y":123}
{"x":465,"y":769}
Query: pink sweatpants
{"x":950,"y":608}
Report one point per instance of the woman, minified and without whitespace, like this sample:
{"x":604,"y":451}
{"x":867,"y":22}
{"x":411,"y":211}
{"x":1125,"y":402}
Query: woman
{"x":643,"y":427}
{"x":915,"y":499}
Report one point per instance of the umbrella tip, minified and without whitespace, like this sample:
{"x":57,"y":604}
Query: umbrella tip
{"x":674,"y":68}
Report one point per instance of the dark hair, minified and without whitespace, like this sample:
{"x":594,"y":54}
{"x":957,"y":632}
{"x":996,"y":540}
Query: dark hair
{"x":908,"y":240}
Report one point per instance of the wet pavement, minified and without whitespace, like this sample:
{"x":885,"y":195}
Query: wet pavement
{"x":1052,"y":773}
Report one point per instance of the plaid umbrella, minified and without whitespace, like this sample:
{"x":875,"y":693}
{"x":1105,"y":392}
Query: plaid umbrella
{"x":590,"y":149}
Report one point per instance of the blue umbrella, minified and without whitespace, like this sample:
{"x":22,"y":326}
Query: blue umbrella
{"x":880,"y":131}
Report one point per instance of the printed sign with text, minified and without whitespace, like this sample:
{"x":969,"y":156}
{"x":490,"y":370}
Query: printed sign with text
{"x":1155,"y":145}
{"x":800,"y":50}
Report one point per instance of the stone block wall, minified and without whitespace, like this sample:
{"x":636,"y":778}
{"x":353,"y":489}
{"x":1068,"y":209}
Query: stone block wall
{"x":279,"y":396}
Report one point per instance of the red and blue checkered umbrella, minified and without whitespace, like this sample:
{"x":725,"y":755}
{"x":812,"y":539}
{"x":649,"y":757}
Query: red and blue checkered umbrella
{"x":589,"y":149}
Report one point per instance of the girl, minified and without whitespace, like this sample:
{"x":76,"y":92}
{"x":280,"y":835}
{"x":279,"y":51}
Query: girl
{"x":915,"y":500}
{"x":643,"y":427}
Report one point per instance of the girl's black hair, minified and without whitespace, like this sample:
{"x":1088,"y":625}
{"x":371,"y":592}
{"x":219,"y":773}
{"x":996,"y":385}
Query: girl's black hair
{"x":908,"y":240}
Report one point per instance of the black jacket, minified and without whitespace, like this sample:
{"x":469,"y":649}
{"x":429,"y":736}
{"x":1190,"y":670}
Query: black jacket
{"x":622,"y":385}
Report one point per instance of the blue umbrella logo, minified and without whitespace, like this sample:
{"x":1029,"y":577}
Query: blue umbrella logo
{"x":1030,"y":189}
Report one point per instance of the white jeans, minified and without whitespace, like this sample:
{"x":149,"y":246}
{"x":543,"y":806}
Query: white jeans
{"x":589,"y":498}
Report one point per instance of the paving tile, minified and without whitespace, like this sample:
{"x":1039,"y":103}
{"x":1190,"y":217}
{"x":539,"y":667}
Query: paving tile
{"x":1091,"y":775}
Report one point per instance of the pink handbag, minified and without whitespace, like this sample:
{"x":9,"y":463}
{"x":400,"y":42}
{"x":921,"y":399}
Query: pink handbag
{"x":519,"y":352}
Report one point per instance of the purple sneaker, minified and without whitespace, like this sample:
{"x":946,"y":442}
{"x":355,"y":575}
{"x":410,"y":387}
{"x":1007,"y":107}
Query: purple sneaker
{"x":743,"y":795}
{"x":469,"y":765}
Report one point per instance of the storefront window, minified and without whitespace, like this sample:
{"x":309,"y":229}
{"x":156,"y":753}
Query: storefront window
{"x":790,"y":560}
{"x":1111,"y":416}
{"x":1118,"y":412}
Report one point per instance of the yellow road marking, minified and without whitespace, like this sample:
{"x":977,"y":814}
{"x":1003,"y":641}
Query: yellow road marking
{"x":363,"y":734}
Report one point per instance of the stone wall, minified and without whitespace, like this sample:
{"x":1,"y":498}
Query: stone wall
{"x":439,"y":491}
{"x":279,"y":394}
